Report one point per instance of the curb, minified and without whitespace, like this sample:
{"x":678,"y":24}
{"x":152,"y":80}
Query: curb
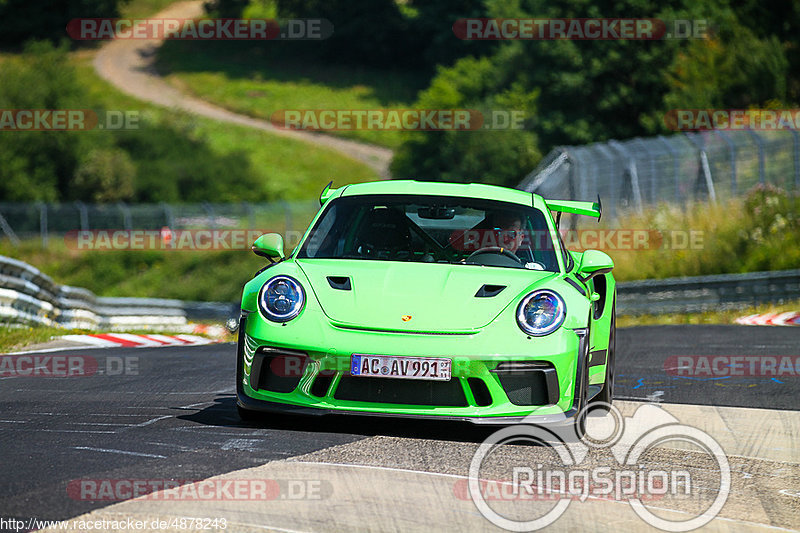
{"x":791,"y":318}
{"x":127,"y":340}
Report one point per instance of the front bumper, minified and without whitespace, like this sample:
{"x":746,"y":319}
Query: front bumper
{"x":280,"y":372}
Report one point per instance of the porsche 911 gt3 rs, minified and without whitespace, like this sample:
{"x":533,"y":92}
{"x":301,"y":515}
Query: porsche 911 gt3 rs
{"x":434,"y":300}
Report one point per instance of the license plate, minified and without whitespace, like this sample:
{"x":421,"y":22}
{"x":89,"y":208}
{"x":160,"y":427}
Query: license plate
{"x":391,"y":366}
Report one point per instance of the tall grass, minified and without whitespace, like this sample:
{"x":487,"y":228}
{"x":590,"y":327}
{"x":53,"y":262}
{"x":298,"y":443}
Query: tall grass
{"x":758,"y":232}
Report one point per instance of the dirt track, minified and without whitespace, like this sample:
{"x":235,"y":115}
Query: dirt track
{"x":128,"y":65}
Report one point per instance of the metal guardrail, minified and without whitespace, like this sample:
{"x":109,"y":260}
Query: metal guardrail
{"x":705,"y":293}
{"x":27,"y":296}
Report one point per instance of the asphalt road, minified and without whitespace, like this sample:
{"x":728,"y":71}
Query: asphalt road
{"x":171,"y":414}
{"x":650,"y":360}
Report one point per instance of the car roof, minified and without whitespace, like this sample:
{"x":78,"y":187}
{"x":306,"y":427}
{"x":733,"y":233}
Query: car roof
{"x":438,"y":188}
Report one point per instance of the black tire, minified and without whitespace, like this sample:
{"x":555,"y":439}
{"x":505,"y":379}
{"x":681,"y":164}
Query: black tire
{"x":606,"y":395}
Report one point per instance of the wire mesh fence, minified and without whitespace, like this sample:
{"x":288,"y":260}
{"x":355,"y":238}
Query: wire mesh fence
{"x":710,"y":166}
{"x":26,"y":221}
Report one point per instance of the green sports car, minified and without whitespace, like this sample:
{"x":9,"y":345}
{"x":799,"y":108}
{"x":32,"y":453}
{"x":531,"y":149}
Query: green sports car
{"x":435,"y":300}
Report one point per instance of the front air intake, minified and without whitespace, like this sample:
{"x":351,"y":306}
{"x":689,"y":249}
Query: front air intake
{"x":528,"y":382}
{"x":277,"y":369}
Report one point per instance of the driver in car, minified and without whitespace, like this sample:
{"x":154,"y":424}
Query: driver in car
{"x":508,"y":227}
{"x":502,"y":229}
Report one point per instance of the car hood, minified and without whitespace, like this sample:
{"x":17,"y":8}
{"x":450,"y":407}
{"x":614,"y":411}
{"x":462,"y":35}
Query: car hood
{"x":399,"y":296}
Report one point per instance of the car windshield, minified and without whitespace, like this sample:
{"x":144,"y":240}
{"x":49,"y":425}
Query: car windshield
{"x":432,"y":229}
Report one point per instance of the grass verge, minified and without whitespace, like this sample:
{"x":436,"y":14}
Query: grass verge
{"x":284,"y":168}
{"x":253,"y":80}
{"x":16,"y":338}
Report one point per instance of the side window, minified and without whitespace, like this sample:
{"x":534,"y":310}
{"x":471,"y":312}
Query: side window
{"x":599,"y":284}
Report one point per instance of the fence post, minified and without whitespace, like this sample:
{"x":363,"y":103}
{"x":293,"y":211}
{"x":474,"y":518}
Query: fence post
{"x":126,"y":216}
{"x":652,"y":161}
{"x":705,"y":169}
{"x":603,"y":149}
{"x":43,"y":223}
{"x":251,"y":216}
{"x":796,"y":153}
{"x":83,"y":215}
{"x":712,"y":193}
{"x":632,"y":172}
{"x":210,"y":211}
{"x":732,"y":149}
{"x":169,"y":219}
{"x":576,"y":156}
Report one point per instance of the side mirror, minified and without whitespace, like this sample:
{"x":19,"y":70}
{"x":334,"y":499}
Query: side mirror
{"x":594,"y":263}
{"x":269,"y":245}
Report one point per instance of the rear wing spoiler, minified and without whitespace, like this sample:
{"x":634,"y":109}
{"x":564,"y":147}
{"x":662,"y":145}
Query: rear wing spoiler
{"x":589,"y":209}
{"x":326,"y":193}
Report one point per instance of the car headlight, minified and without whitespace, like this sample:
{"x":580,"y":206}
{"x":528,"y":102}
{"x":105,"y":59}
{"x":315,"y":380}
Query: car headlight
{"x":541,"y":313}
{"x":281,"y":299}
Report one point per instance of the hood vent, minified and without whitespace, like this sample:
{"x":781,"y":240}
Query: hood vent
{"x":341,"y":283}
{"x":489,"y":291}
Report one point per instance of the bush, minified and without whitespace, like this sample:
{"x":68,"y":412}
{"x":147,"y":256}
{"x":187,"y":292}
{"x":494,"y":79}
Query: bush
{"x":22,"y":20}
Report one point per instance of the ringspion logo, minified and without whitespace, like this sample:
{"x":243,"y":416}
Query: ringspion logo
{"x":631,"y":476}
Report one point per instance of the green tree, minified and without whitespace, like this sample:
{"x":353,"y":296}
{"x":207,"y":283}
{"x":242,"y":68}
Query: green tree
{"x":104,"y":176}
{"x":577,"y":92}
{"x":23,"y":20}
{"x":38,"y":165}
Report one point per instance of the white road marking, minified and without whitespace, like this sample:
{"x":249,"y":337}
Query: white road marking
{"x":249,"y":445}
{"x":123,"y":452}
{"x":151,"y":421}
